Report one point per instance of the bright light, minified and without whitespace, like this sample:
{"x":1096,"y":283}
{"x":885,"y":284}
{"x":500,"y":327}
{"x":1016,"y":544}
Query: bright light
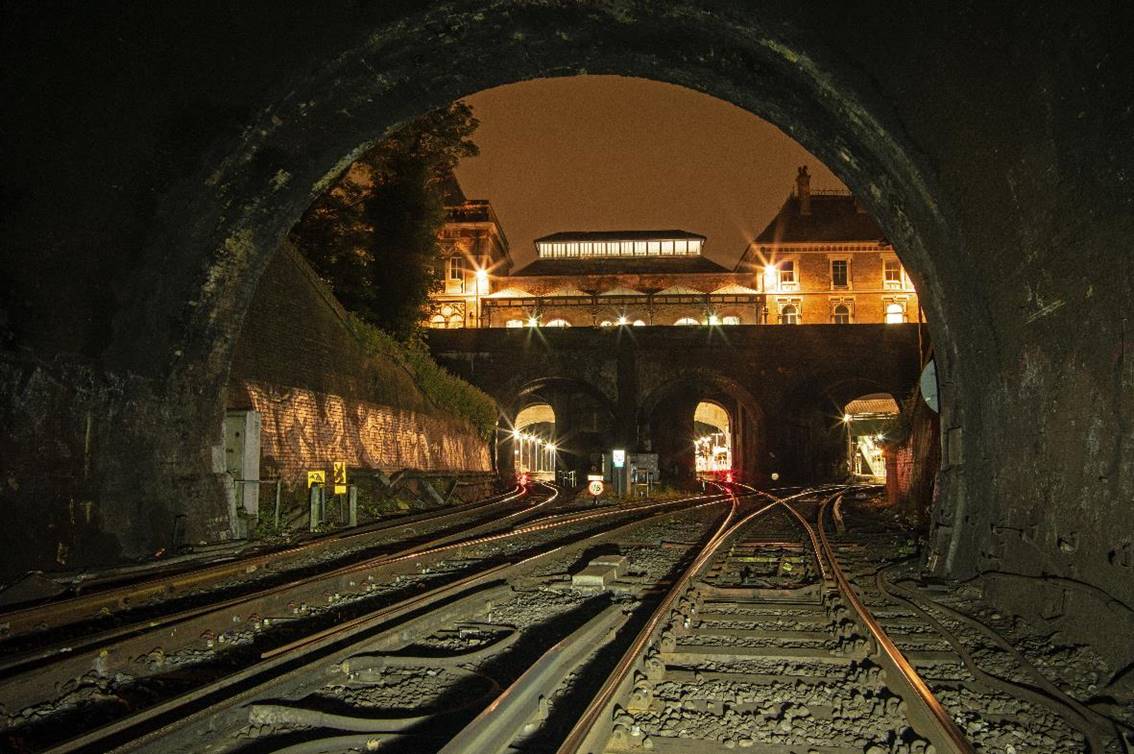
{"x":846,"y":418}
{"x":551,"y":447}
{"x":771,"y":277}
{"x":775,"y":476}
{"x":515,"y":434}
{"x":482,"y":275}
{"x":622,"y":320}
{"x":714,"y":319}
{"x":533,"y":322}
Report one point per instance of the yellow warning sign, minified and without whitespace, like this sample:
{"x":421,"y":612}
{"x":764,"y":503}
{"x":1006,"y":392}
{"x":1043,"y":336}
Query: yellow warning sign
{"x":340,"y":477}
{"x":316,"y":477}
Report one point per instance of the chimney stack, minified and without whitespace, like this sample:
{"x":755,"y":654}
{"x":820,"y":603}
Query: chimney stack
{"x":803,"y":190}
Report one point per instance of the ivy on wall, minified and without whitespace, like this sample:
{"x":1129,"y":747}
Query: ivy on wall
{"x":447,"y":392}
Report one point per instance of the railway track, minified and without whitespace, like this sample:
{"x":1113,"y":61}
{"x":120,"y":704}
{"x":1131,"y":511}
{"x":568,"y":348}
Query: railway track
{"x":785,"y":638}
{"x":746,"y":620}
{"x":155,"y":664}
{"x":94,"y":601}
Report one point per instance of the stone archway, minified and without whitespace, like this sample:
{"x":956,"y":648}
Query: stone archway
{"x":666,"y":420}
{"x":974,"y":144}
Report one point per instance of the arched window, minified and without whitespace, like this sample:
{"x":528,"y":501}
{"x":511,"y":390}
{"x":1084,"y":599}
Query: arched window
{"x":840,"y":315}
{"x":558,"y":323}
{"x":456,"y":321}
{"x":639,"y":323}
{"x":789,"y":314}
{"x":606,"y":323}
{"x":514,"y":323}
{"x":895,"y":313}
{"x":686,"y":321}
{"x":437,"y":321}
{"x":730,"y":319}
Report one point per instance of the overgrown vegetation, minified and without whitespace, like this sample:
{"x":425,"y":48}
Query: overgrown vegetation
{"x":446,"y":391}
{"x":373,"y":236}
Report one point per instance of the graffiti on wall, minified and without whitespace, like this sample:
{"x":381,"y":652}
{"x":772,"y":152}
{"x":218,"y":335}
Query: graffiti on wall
{"x":304,"y":429}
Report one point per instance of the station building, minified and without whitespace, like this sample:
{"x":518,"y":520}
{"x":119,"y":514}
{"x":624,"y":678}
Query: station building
{"x":821,"y":260}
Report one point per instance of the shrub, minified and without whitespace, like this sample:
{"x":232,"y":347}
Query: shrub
{"x":447,"y":392}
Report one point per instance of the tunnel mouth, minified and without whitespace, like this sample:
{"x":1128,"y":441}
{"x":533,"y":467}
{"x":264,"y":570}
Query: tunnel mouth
{"x":311,"y":129}
{"x":534,"y":442}
{"x":712,"y":443}
{"x":869,"y":421}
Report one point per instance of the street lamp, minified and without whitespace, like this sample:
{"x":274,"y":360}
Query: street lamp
{"x":481,"y":285}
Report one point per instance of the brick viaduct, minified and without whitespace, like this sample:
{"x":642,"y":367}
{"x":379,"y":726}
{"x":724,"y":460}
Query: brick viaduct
{"x":783,"y":387}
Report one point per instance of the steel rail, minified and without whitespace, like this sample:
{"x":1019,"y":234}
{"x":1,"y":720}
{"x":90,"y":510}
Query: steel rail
{"x":176,"y":630}
{"x":304,"y":656}
{"x":88,"y":606}
{"x":585,"y":729}
{"x":13,"y":664}
{"x":937,"y":724}
{"x":107,"y":655}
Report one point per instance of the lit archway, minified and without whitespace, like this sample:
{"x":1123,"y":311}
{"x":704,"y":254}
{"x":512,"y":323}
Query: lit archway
{"x":867,"y":421}
{"x":712,"y":441}
{"x":534,"y":447}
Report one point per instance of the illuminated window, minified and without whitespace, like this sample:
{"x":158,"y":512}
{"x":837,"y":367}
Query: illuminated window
{"x":787,"y":273}
{"x":626,"y":248}
{"x":639,"y":323}
{"x":895,"y":313}
{"x":840,"y":315}
{"x":558,"y":323}
{"x":456,"y":268}
{"x":695,"y":247}
{"x":789,"y":314}
{"x":514,"y":323}
{"x":437,"y":321}
{"x":892,"y":273}
{"x":455,"y":321}
{"x":606,"y":323}
{"x":680,"y":247}
{"x":573,"y":249}
{"x":653,"y":248}
{"x":730,"y":320}
{"x":840,"y":277}
{"x":667,"y":248}
{"x":686,"y":321}
{"x":587,"y":248}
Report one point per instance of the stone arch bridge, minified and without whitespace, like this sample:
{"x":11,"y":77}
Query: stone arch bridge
{"x":783,"y":387}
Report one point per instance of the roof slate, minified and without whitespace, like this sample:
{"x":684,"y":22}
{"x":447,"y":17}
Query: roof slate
{"x":833,"y":218}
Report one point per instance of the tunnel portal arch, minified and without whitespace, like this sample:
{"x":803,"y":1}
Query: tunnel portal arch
{"x":238,"y":189}
{"x":580,"y":427}
{"x":667,"y":420}
{"x":308,"y":136}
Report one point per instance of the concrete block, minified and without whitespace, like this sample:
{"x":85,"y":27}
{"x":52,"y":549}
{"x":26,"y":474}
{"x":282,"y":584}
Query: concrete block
{"x":594,"y":576}
{"x":618,"y":562}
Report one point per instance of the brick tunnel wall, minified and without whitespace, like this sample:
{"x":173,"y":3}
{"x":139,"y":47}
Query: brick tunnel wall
{"x":322,"y":398}
{"x":912,"y":462}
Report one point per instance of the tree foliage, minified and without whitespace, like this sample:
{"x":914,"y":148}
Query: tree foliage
{"x":373,"y":235}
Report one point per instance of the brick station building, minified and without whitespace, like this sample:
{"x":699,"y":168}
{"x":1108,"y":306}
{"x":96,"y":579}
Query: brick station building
{"x":821,"y":260}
